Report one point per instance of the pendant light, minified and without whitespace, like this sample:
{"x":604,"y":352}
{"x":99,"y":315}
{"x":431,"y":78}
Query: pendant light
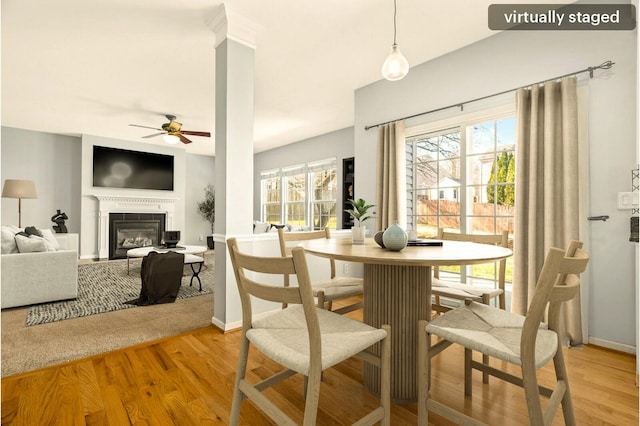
{"x":395,"y":67}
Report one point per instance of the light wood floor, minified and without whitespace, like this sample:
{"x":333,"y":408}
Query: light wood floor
{"x":188,"y":380}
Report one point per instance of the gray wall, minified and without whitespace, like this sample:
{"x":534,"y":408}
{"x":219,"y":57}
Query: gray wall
{"x":515,"y":58}
{"x":337,"y":144}
{"x":200,"y":173}
{"x":53,"y":163}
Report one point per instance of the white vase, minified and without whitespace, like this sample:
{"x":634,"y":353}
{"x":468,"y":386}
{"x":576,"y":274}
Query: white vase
{"x":358,"y":233}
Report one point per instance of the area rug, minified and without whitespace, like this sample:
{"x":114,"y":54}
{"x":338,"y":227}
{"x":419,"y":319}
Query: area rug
{"x":105,"y":287}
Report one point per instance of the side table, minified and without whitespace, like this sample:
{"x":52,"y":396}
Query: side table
{"x":68,"y":241}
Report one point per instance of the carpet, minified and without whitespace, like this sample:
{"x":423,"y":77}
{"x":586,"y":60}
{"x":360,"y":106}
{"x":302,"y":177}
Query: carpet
{"x":105,"y":287}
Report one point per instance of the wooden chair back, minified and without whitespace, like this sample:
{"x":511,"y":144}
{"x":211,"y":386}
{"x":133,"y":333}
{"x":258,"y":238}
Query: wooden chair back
{"x":501,"y":239}
{"x":558,"y":282}
{"x":292,"y":237}
{"x":249,"y":284}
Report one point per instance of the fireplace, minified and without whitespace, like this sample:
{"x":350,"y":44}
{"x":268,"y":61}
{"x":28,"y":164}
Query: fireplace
{"x":118,"y":204}
{"x":133,"y":230}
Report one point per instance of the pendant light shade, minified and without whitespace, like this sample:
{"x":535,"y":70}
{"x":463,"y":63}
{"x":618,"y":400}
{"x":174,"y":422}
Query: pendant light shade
{"x":396,"y":66}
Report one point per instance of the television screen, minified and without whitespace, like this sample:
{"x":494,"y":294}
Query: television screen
{"x":121,"y":168}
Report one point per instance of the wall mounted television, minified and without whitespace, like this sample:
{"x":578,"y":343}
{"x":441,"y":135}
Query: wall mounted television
{"x":121,"y":168}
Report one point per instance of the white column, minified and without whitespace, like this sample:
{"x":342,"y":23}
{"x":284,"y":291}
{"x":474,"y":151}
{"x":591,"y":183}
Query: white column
{"x":234,"y":102}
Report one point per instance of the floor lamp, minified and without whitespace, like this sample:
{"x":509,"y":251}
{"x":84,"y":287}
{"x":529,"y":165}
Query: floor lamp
{"x":17,"y":188}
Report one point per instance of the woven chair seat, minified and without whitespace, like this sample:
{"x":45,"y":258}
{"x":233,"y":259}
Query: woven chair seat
{"x":491,"y":331}
{"x":459,"y":290}
{"x":283,"y":337}
{"x":338,"y":288}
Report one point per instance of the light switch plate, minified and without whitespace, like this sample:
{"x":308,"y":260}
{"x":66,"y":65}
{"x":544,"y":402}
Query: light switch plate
{"x":628,"y":200}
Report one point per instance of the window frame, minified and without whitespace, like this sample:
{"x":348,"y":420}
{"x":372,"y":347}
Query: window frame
{"x":459,"y":121}
{"x":265,"y":177}
{"x":463,"y":123}
{"x":308,"y":170}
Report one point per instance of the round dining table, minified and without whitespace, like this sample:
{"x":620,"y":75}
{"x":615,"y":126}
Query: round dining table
{"x":397,"y":291}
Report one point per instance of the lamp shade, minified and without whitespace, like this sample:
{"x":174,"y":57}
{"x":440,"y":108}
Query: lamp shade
{"x":396,"y":66}
{"x":18,"y":188}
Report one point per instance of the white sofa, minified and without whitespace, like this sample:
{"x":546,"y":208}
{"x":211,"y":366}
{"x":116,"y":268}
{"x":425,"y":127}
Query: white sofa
{"x":37,"y":277}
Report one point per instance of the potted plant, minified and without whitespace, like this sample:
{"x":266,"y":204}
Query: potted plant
{"x":207,"y":210}
{"x":359,"y":213}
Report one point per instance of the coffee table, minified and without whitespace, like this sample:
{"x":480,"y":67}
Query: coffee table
{"x":143,"y":251}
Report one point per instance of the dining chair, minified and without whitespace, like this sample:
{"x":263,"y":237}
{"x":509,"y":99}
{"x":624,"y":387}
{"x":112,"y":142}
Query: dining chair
{"x":325,"y":291}
{"x":521,"y":340}
{"x":302,"y":338}
{"x":465,"y":291}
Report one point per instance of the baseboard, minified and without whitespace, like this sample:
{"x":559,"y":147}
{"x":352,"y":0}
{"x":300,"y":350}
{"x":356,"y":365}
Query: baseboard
{"x":224,"y":327}
{"x":613,"y":345}
{"x":235,"y":325}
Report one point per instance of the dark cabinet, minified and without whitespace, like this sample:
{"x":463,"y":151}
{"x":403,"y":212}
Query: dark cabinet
{"x":348,"y":181}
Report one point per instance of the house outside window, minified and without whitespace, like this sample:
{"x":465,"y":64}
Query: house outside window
{"x":307,"y":195}
{"x":461,"y":178}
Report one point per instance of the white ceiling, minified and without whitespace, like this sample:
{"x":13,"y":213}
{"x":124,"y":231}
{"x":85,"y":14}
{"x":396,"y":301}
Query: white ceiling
{"x":93,"y":67}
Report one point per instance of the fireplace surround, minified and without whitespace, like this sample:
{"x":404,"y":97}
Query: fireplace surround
{"x":109,"y":204}
{"x":133,"y":230}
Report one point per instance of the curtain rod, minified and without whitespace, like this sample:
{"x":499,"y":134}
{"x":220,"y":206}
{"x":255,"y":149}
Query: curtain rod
{"x":603,"y":66}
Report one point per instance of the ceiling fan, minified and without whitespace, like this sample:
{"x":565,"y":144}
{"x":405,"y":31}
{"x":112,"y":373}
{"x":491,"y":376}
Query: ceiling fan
{"x":172,"y":131}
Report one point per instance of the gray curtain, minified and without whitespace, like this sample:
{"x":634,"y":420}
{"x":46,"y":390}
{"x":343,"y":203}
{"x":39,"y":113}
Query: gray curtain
{"x":546,"y":189}
{"x":391,"y":190}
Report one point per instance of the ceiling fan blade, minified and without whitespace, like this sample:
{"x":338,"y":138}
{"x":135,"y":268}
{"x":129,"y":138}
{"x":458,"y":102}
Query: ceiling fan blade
{"x":154,"y":135}
{"x":189,"y":132}
{"x":144,"y":127}
{"x":183,"y":139}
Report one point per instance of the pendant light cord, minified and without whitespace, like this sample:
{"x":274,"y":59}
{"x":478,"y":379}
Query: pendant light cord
{"x":395,"y":12}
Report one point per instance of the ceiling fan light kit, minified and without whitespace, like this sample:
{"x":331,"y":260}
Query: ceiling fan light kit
{"x":172,"y":132}
{"x":396,"y":66}
{"x":171,"y":139}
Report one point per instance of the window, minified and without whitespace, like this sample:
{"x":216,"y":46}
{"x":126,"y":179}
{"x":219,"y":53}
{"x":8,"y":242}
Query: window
{"x":433,"y":177}
{"x":295,"y":184}
{"x":461,"y":178}
{"x":271,"y":196}
{"x":323,"y":195}
{"x":301,"y":195}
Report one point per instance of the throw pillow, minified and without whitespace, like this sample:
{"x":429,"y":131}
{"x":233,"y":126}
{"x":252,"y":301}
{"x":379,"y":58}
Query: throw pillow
{"x":30,"y":244}
{"x":8,"y":237}
{"x":32,"y":230}
{"x":300,"y":228}
{"x":52,"y":241}
{"x":260,"y":227}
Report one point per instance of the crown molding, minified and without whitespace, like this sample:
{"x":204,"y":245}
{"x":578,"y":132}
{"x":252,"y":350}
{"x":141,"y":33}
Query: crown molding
{"x":229,"y":25}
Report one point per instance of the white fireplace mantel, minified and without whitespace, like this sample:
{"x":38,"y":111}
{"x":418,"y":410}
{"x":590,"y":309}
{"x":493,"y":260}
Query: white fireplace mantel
{"x":129,"y":204}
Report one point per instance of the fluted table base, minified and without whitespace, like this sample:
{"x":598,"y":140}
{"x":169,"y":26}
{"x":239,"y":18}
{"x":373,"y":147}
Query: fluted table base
{"x":397,"y":295}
